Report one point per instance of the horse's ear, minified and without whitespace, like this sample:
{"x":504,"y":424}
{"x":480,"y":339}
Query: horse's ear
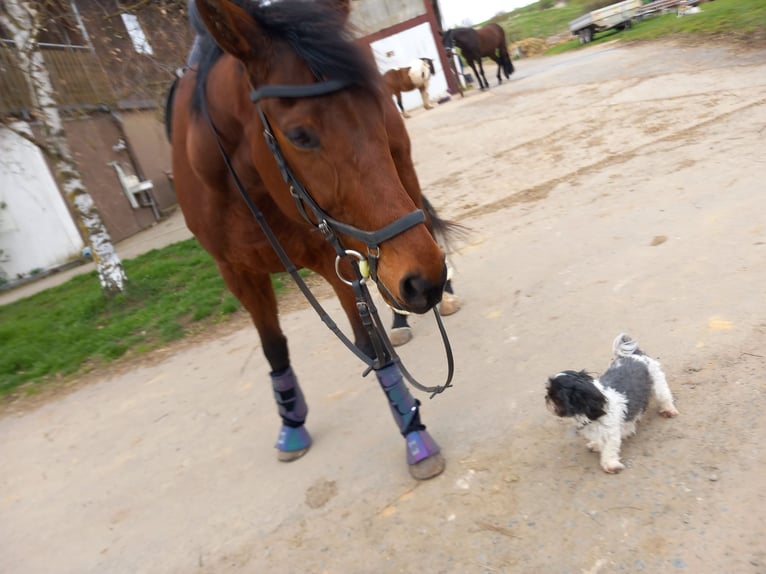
{"x":233,"y":29}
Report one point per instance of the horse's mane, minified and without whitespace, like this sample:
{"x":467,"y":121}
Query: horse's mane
{"x":448,"y":36}
{"x":315,"y":31}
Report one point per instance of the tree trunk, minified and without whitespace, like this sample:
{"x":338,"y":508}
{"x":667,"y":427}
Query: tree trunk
{"x":22,"y":20}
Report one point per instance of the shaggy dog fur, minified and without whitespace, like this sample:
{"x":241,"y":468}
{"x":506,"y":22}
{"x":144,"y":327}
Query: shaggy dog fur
{"x":608,"y":408}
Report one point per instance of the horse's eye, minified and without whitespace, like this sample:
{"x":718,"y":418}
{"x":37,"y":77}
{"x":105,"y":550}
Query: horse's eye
{"x":302,"y":138}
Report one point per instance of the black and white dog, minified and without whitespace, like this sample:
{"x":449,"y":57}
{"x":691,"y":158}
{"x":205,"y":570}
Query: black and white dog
{"x":608,"y":408}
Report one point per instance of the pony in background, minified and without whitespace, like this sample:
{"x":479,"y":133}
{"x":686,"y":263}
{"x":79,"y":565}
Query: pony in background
{"x":413,"y":77}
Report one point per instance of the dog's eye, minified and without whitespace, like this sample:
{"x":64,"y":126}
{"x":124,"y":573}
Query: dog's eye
{"x":302,"y":138}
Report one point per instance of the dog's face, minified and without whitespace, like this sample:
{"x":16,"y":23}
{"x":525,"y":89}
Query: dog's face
{"x":572,"y":393}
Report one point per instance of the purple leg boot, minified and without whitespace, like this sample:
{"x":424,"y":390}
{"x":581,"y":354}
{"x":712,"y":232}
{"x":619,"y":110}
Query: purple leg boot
{"x":294,"y":440}
{"x":423,"y":456}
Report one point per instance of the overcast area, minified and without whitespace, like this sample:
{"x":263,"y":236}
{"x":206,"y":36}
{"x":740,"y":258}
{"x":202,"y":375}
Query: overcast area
{"x":466,"y":13}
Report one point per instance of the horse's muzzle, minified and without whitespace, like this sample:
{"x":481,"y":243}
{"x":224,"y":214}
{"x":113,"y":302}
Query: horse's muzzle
{"x":420,"y":294}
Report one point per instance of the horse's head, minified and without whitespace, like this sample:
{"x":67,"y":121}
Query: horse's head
{"x":448,"y":40}
{"x":336,"y":141}
{"x":430,"y":63}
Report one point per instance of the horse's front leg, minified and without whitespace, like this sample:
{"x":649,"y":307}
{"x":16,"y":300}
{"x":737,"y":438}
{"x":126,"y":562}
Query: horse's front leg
{"x":257,"y":296}
{"x":401,"y":106}
{"x":476,"y":73}
{"x":423,"y":454}
{"x":481,"y":71}
{"x":424,"y":95}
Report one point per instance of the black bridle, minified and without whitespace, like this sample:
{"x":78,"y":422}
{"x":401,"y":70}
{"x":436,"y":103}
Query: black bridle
{"x":322,"y":220}
{"x":329,"y":227}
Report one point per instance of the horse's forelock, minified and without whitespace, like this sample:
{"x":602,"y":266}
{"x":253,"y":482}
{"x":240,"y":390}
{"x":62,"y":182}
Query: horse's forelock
{"x":317,"y":32}
{"x":319,"y":35}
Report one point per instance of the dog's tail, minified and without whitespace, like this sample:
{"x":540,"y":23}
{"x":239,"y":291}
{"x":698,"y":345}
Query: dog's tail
{"x":624,"y":346}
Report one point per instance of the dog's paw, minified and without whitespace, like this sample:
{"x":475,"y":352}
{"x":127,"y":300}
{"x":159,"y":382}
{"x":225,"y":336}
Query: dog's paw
{"x":612,"y":466}
{"x":669,"y":412}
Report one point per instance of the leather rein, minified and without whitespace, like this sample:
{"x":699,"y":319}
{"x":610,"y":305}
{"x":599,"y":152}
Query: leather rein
{"x":363,"y":266}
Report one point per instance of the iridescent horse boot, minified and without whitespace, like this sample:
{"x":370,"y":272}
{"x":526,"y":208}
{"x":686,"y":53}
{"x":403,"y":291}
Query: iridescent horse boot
{"x":423,"y":456}
{"x":294,"y":440}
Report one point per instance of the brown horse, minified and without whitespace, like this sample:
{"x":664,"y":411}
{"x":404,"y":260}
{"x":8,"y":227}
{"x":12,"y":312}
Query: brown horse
{"x":413,"y":77}
{"x":281,"y":93}
{"x":487,"y":41}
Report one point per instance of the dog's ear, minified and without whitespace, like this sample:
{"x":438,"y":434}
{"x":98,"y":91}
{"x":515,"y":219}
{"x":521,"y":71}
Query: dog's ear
{"x":592,"y":402}
{"x":574,"y":393}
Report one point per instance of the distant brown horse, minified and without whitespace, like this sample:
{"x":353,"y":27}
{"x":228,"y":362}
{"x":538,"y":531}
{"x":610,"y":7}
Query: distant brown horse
{"x":284,"y":119}
{"x":488,"y":41}
{"x":413,"y":77}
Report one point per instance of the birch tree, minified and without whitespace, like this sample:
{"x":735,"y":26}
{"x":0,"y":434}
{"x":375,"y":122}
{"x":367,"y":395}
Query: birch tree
{"x":23,"y":22}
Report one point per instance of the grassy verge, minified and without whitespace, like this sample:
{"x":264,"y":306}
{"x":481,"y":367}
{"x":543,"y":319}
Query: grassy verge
{"x":71,"y":328}
{"x":721,"y":20}
{"x":732,"y":20}
{"x":533,"y":21}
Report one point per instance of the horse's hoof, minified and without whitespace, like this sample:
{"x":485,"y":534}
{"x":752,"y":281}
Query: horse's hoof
{"x":289,"y":456}
{"x":293,"y":443}
{"x":423,"y":455}
{"x":449,"y":305}
{"x":400,"y":336}
{"x":428,"y":467}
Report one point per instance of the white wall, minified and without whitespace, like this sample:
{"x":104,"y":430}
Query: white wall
{"x":399,"y":50}
{"x":36,"y":229}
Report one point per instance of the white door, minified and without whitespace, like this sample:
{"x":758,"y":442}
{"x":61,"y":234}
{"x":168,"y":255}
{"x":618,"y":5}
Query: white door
{"x":36,"y":229}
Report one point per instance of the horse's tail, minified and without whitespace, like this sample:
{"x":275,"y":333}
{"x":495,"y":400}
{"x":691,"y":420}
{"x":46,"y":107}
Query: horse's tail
{"x":443,"y":230}
{"x":506,"y":60}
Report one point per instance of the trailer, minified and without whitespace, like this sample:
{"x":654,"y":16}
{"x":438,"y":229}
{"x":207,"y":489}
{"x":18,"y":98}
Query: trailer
{"x":619,"y":16}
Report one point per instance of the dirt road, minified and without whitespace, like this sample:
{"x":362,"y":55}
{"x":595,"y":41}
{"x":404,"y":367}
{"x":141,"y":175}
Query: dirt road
{"x":618,"y":188}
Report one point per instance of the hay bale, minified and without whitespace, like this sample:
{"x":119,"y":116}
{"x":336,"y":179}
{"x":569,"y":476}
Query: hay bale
{"x":527,"y":47}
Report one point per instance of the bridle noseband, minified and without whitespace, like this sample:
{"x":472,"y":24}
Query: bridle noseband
{"x":329,"y":227}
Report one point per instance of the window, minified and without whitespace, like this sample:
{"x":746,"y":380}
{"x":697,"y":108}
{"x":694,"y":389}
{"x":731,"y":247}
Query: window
{"x":137,"y":36}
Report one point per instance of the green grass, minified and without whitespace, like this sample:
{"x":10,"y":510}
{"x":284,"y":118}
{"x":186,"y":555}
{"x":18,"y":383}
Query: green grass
{"x":533,"y":22}
{"x":71,"y":328}
{"x":722,"y":20}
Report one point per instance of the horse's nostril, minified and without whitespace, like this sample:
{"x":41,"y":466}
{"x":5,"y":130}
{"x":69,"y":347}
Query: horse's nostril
{"x":419,"y":294}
